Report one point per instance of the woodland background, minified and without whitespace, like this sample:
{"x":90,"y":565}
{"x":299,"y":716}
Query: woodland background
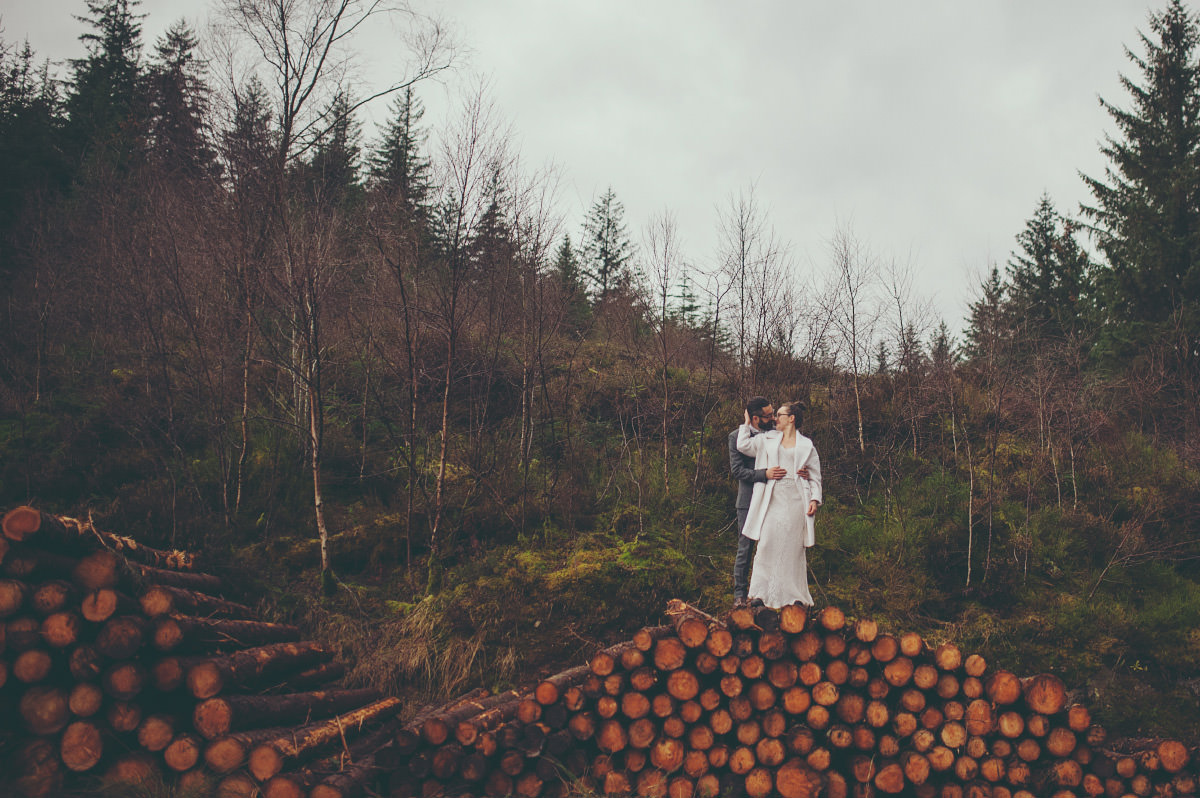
{"x":375,"y":379}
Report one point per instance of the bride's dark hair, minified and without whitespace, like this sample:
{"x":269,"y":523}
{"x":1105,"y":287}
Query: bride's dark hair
{"x":796,"y":409}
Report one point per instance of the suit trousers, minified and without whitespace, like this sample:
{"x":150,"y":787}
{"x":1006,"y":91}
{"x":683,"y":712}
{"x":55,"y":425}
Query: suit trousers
{"x":745,"y":555}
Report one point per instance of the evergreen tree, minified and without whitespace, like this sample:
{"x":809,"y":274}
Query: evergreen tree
{"x":687,"y":305}
{"x":105,"y":102}
{"x":247,"y":145}
{"x":607,"y":249}
{"x":990,"y":326}
{"x":941,"y":352}
{"x":332,"y":176}
{"x":30,"y":129}
{"x":1047,"y":276}
{"x":566,"y":272}
{"x":178,"y":104}
{"x":1146,"y":216}
{"x":397,"y":166}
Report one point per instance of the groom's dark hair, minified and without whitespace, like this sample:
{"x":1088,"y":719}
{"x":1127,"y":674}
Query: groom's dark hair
{"x":756,"y":404}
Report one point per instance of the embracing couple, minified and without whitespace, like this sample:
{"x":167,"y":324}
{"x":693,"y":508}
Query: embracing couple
{"x":779,"y":491}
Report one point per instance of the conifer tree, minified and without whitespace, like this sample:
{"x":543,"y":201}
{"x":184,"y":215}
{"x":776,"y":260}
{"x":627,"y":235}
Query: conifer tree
{"x":990,"y":326}
{"x":397,"y":166}
{"x":30,"y":131}
{"x":105,"y":103}
{"x":566,"y":272}
{"x":178,"y":95}
{"x":1146,"y":216}
{"x":606,"y":249}
{"x":1047,"y":276}
{"x":332,"y":176}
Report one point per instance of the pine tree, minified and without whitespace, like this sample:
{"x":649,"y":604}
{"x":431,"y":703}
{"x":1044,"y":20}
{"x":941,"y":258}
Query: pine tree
{"x":30,"y":133}
{"x":331,"y":177}
{"x":105,"y":103}
{"x":177,"y":129}
{"x":246,"y":147}
{"x":566,"y":272}
{"x":687,"y":305}
{"x":1146,"y":216}
{"x":397,"y":165}
{"x":990,"y":327}
{"x":941,"y":352}
{"x":1047,"y":276}
{"x":607,"y":249}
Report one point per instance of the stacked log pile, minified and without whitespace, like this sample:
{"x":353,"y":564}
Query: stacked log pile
{"x":124,"y":661}
{"x":766,"y":702}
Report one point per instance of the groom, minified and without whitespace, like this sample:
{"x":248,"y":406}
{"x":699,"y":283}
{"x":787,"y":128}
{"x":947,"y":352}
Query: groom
{"x":762,"y":419}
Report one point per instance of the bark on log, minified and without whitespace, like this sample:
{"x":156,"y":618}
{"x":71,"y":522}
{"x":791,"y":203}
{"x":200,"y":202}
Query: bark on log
{"x":240,"y":669}
{"x":219,"y":716}
{"x":438,"y":726}
{"x":268,"y":758}
{"x":180,"y":633}
{"x":26,"y":523}
{"x":551,"y":688}
{"x":160,"y":600}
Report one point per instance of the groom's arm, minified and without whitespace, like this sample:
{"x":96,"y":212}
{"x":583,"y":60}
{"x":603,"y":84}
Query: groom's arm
{"x":737,"y":465}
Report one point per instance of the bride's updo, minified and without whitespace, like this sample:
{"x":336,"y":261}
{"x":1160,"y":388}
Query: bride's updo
{"x":796,"y":409}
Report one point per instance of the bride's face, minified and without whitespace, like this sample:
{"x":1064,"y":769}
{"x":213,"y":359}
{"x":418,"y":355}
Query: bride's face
{"x":784,"y":420}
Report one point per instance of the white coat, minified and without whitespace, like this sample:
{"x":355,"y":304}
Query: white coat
{"x":764,"y":448}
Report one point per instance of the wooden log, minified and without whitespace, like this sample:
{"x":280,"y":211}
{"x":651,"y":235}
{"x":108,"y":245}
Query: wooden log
{"x":85,"y":663}
{"x":121,"y":637}
{"x":438,"y":726}
{"x":39,"y":772}
{"x":1045,"y":693}
{"x":26,"y":523}
{"x":45,"y":709}
{"x":669,"y":654}
{"x":51,"y":597}
{"x":61,"y":629}
{"x":155,"y":732}
{"x":123,"y":716}
{"x":183,"y":752}
{"x":270,"y":757}
{"x":691,"y":624}
{"x":32,"y":666}
{"x":1003,"y":688}
{"x":13,"y":594}
{"x":1173,"y":756}
{"x":22,"y":633}
{"x":125,"y":680}
{"x":890,"y":779}
{"x":100,"y":605}
{"x":314,"y":677}
{"x":180,"y":633}
{"x":159,"y":600}
{"x":100,"y":569}
{"x":240,"y":669}
{"x":85,"y":699}
{"x":81,"y":746}
{"x":550,"y":689}
{"x":219,"y":716}
{"x":141,"y":577}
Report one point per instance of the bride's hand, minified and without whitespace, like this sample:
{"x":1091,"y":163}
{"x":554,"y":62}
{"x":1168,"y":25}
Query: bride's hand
{"x":812,"y":507}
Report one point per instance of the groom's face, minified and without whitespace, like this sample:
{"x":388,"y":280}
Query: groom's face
{"x":765,"y":419}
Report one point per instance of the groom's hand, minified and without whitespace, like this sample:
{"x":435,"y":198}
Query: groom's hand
{"x":776,"y":472}
{"x":802,"y":472}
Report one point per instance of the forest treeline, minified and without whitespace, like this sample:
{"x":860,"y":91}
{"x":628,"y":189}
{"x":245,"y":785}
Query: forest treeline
{"x":232,"y":315}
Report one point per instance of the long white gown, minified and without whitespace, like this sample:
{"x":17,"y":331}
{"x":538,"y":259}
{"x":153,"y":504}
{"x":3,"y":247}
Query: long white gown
{"x":779,"y":575}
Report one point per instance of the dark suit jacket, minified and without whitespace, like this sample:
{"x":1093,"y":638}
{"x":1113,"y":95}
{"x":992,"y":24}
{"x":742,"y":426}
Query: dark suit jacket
{"x":742,"y":468}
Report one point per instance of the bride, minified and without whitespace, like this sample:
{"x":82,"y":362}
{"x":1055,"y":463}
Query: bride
{"x":782,"y":511}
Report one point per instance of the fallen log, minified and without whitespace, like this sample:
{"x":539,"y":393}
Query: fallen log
{"x":270,"y":757}
{"x":179,"y":633}
{"x":100,"y":605}
{"x":240,"y":669}
{"x":219,"y":716}
{"x":161,"y":599}
{"x":25,"y":523}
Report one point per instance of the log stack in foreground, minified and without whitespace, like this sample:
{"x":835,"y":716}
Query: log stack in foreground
{"x":764,"y":702}
{"x":124,"y":662}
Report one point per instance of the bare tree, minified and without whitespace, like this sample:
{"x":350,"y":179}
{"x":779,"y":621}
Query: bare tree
{"x":857,"y":312}
{"x":663,"y":268}
{"x":752,"y":257}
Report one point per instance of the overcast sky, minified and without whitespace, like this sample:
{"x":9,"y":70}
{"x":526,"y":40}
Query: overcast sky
{"x":930,"y":128}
